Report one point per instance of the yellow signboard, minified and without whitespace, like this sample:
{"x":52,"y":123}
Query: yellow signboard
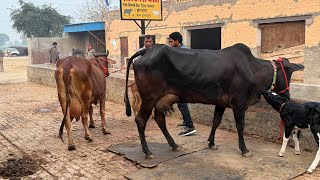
{"x":141,"y":10}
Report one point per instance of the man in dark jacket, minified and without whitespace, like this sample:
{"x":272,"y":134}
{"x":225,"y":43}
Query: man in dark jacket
{"x":175,"y":40}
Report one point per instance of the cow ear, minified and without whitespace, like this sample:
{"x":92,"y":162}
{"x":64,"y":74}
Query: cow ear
{"x":296,"y":67}
{"x":292,"y":66}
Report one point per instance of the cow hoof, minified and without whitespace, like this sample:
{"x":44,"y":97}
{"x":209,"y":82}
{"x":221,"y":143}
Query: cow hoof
{"x":310,"y":171}
{"x":149,"y":156}
{"x":177,"y":148}
{"x":92,"y":126}
{"x":105,"y":132}
{"x":297,"y":152}
{"x":71,"y":147}
{"x":247,"y":154}
{"x":88,"y":138}
{"x":280,"y":154}
{"x":212,"y":146}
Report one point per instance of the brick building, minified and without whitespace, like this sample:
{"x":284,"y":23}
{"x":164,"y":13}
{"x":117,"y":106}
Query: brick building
{"x":271,"y":28}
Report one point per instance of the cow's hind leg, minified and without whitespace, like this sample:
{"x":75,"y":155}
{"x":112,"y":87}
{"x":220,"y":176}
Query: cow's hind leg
{"x":141,"y":121}
{"x":84,"y":118}
{"x":71,"y":145}
{"x":296,"y":136}
{"x":239,"y":115}
{"x":161,"y":121}
{"x":91,"y":125}
{"x":218,"y":113}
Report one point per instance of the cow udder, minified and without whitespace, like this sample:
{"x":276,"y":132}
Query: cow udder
{"x":75,"y":109}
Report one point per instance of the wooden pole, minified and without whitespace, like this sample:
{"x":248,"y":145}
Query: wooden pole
{"x":97,"y":38}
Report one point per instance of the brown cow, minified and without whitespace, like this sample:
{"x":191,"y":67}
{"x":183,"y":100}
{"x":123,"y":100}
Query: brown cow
{"x":136,"y":99}
{"x":81,"y":82}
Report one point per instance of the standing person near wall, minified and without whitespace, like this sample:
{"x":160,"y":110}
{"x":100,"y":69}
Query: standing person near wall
{"x":148,"y":42}
{"x":175,"y":40}
{"x":72,"y":52}
{"x":54,"y":53}
{"x":91,"y":51}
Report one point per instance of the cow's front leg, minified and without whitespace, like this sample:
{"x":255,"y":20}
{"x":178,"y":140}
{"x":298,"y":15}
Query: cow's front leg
{"x":316,"y":134}
{"x":161,"y":121}
{"x":285,"y":140}
{"x":91,"y":125}
{"x":102,"y":114}
{"x":296,"y":134}
{"x":218,"y":113}
{"x":141,"y":121}
{"x":239,"y":114}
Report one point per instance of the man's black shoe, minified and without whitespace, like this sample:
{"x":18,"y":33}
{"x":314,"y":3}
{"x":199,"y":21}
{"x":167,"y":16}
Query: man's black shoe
{"x":187,"y":131}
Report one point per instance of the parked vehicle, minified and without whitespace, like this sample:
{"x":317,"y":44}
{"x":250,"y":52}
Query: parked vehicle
{"x":22,"y":50}
{"x":10,"y":52}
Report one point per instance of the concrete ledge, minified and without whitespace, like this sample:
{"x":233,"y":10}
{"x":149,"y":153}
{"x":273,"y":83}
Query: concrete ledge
{"x":305,"y":92}
{"x":116,"y":87}
{"x":41,"y":74}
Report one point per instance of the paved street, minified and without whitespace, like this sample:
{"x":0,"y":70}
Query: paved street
{"x":30,"y":118}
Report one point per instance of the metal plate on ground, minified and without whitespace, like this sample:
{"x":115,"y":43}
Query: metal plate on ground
{"x":162,"y":152}
{"x":160,"y":149}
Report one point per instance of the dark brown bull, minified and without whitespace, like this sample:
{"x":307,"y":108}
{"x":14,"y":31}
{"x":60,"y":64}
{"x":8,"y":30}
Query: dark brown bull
{"x":81,"y":83}
{"x":228,"y":78}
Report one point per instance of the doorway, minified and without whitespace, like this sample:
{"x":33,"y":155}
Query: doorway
{"x":208,"y":38}
{"x":124,"y":50}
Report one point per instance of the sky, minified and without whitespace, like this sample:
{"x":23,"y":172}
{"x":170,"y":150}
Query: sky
{"x":65,"y":7}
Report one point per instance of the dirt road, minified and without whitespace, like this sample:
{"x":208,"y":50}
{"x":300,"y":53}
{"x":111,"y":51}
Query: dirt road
{"x":15,"y":70}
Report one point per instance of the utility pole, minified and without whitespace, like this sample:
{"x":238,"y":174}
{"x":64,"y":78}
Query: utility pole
{"x":143,"y":27}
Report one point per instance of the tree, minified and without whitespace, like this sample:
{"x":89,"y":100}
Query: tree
{"x":35,"y":21}
{"x":95,"y":10}
{"x":3,"y":39}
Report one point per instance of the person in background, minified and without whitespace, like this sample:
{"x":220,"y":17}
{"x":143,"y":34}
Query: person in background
{"x":175,"y":40}
{"x":148,"y":42}
{"x":91,"y":51}
{"x":71,"y":53}
{"x":54,"y":53}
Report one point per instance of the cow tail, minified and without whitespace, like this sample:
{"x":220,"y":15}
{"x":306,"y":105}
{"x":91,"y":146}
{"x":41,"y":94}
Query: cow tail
{"x":66,"y":80}
{"x":128,"y":106}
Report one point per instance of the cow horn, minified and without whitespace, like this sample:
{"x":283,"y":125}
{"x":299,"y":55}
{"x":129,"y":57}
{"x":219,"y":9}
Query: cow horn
{"x":107,"y":53}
